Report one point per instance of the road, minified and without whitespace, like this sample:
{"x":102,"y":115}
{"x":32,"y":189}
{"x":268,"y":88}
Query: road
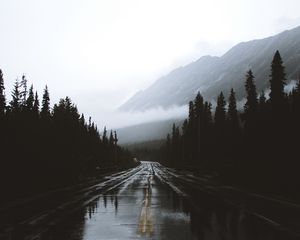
{"x":150,"y":202}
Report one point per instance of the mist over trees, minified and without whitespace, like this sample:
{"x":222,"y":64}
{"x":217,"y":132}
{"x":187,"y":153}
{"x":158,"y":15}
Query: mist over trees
{"x":44,"y":147}
{"x":256,"y":147}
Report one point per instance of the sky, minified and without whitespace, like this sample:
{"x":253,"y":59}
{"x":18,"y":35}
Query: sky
{"x":100,"y":52}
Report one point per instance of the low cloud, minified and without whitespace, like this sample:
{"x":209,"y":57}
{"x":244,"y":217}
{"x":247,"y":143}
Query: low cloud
{"x":119,"y":119}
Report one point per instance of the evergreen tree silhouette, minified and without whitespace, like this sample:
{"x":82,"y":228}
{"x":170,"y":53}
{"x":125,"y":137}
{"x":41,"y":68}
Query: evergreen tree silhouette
{"x":30,"y":99}
{"x":104,"y":137}
{"x":199,"y":120}
{"x":36,"y":105}
{"x":233,"y":131}
{"x":51,"y":151}
{"x":115,"y":138}
{"x":251,"y":105}
{"x":111,"y":138}
{"x":82,"y":121}
{"x":264,"y":131}
{"x":192,"y":133}
{"x":23,"y":93}
{"x":208,"y":119}
{"x":45,"y":111}
{"x":15,"y":103}
{"x":277,"y":83}
{"x":192,"y":116}
{"x":232,"y":113}
{"x":220,"y":114}
{"x":2,"y":95}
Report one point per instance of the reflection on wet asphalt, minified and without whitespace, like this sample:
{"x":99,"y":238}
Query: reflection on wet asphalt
{"x":141,"y":206}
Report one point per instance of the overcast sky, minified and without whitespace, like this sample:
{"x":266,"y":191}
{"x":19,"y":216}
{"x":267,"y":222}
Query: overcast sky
{"x":101,"y":52}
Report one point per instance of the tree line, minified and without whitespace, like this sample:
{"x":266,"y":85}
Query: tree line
{"x":44,"y":147}
{"x":256,"y":147}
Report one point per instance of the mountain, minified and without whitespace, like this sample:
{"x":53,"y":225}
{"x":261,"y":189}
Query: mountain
{"x":146,"y":131}
{"x":210,"y":75}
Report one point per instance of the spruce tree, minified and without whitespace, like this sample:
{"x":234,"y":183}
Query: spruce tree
{"x":36,"y":105}
{"x":82,"y":120}
{"x":111,"y":138}
{"x":250,"y":107}
{"x":115,"y":138}
{"x":207,"y":114}
{"x":232,"y":112}
{"x":2,"y":95}
{"x":198,"y":105}
{"x":250,"y":115}
{"x":104,"y":137}
{"x":220,"y":126}
{"x":15,"y":103}
{"x":45,"y":111}
{"x":23,"y":93}
{"x":30,"y":99}
{"x":277,"y":83}
{"x":191,"y":113}
{"x":220,"y":114}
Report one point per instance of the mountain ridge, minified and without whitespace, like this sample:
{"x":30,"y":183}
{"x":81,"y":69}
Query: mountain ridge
{"x":211,"y":74}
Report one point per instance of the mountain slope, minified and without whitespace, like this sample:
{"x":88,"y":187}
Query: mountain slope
{"x":210,"y":75}
{"x":146,"y":131}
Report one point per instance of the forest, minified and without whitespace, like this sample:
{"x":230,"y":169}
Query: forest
{"x":256,"y":147}
{"x":44,"y":147}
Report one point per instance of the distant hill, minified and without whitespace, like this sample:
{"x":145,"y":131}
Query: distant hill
{"x":210,"y":75}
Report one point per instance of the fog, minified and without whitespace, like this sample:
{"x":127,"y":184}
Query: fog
{"x":118,"y":119}
{"x":101,"y":52}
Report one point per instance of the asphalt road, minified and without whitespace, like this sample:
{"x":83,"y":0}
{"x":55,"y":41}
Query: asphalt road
{"x":150,"y":202}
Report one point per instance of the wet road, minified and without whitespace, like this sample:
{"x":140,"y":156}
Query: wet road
{"x":149,"y":202}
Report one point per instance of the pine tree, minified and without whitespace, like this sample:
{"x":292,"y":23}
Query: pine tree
{"x":104,"y":137}
{"x":277,"y":83}
{"x":208,"y":115}
{"x":36,"y":105}
{"x":23,"y":93}
{"x":2,"y":95}
{"x":250,"y":107}
{"x":232,"y":112}
{"x":191,"y":113}
{"x":82,"y":120}
{"x":220,"y":114}
{"x":45,"y":111}
{"x":198,"y":105}
{"x":115,"y":138}
{"x":15,"y":103}
{"x":30,"y":99}
{"x":111,"y":138}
